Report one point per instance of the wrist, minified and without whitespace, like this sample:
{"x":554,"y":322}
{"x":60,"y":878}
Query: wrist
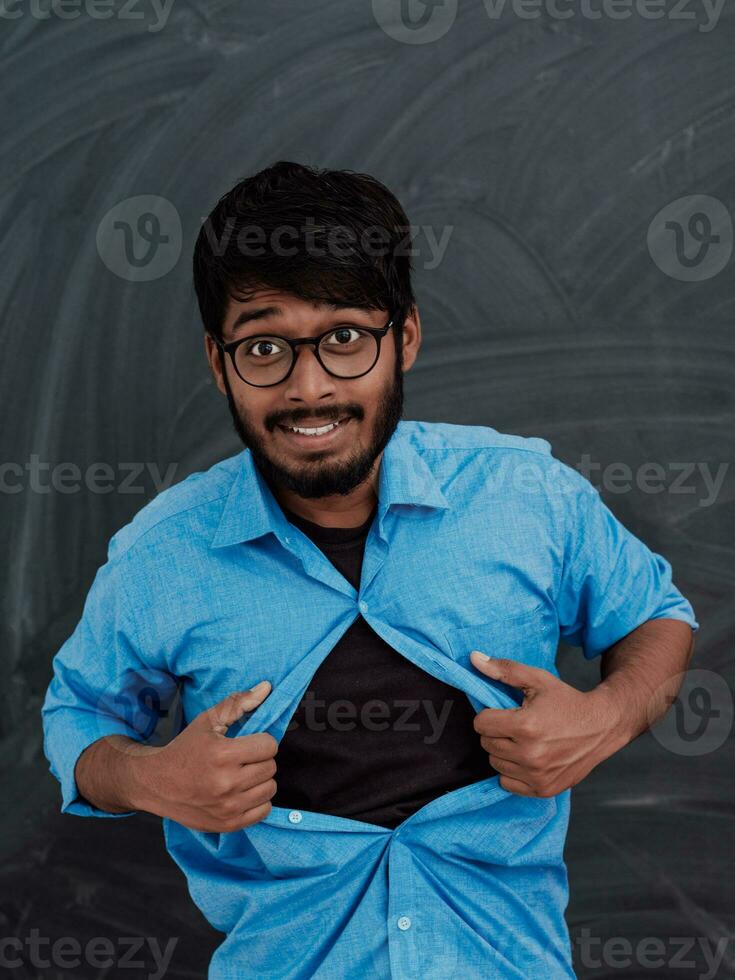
{"x":138,"y":766}
{"x":613,"y":711}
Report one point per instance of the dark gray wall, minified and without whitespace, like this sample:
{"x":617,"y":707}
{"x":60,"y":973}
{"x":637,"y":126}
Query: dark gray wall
{"x":547,"y":147}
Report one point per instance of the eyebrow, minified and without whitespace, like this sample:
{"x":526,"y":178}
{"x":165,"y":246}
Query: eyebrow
{"x":248,"y":316}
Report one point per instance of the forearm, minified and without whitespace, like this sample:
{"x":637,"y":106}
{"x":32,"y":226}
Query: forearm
{"x":110,"y":773}
{"x":642,"y":674}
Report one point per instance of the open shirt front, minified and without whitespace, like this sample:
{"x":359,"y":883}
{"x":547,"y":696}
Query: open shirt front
{"x":481,"y":541}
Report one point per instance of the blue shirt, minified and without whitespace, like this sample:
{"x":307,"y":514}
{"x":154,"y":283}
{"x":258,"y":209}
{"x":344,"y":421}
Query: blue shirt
{"x":481,"y":541}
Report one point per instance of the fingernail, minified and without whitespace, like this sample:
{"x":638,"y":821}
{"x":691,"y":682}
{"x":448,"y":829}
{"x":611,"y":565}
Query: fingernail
{"x":260,"y":687}
{"x":482,"y":656}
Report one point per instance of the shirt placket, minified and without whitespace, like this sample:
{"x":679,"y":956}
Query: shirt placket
{"x":404,"y":917}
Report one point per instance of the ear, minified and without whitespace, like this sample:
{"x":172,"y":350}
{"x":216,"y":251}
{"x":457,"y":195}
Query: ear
{"x":411,"y":337}
{"x":215,"y":359}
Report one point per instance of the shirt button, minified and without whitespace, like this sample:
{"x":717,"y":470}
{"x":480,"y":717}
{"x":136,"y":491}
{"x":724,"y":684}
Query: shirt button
{"x":363,"y":607}
{"x":404,"y":923}
{"x":295,"y":816}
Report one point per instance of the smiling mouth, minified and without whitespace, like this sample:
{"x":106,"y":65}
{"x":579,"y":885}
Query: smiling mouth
{"x":314,"y":433}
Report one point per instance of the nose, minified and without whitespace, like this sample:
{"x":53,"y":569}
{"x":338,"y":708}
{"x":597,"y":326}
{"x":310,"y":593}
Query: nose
{"x":308,"y":381}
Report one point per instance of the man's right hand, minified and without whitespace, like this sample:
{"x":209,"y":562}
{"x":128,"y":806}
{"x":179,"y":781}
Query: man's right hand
{"x":209,"y":782}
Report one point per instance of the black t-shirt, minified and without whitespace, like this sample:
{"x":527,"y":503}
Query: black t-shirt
{"x":374,"y":737}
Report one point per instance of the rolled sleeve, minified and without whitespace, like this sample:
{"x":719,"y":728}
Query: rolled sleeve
{"x":611,"y":581}
{"x":101,"y":685}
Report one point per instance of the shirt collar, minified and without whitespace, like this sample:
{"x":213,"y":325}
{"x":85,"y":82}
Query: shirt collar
{"x":251,"y":510}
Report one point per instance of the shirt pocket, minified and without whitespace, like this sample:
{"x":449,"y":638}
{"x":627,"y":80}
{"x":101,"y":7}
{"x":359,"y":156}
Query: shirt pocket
{"x":530,"y":637}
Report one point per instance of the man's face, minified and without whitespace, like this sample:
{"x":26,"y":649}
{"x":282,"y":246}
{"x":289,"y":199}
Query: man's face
{"x":372,"y":405}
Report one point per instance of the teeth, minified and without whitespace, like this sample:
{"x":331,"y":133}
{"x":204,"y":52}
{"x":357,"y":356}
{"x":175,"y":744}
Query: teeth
{"x":314,"y":432}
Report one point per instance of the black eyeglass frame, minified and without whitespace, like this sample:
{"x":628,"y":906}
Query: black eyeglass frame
{"x":232,"y":345}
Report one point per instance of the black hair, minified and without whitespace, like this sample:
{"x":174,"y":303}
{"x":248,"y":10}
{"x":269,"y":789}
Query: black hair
{"x":348,"y":229}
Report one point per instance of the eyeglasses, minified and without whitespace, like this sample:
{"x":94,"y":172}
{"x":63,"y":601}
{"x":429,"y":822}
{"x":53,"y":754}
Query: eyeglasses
{"x":267,"y":359}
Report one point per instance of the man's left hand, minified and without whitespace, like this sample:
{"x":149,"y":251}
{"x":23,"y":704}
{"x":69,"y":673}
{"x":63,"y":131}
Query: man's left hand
{"x":554,"y":739}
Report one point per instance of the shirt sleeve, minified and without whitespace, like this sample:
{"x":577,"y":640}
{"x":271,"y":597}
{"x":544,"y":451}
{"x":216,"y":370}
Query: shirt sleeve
{"x":102,"y":684}
{"x":611,"y":582}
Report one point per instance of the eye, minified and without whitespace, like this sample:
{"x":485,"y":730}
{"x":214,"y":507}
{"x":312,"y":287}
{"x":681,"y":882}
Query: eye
{"x":255,"y":346}
{"x":343,"y":334}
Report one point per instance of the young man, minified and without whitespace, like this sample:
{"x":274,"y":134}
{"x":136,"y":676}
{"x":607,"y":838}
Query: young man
{"x":350,"y":790}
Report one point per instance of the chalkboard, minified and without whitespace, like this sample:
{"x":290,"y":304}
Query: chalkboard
{"x":569,"y":170}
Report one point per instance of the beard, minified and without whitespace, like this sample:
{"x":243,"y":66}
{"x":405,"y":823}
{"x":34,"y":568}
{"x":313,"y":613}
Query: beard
{"x":324,"y":477}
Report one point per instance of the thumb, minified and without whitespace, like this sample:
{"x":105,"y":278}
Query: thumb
{"x":512,"y":672}
{"x":219,"y":717}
